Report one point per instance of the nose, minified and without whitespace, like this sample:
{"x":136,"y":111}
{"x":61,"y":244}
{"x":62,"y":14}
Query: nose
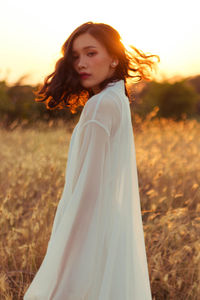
{"x":81,"y":62}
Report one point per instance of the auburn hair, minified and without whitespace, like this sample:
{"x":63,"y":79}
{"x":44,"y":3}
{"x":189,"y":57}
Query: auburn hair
{"x":62,"y":88}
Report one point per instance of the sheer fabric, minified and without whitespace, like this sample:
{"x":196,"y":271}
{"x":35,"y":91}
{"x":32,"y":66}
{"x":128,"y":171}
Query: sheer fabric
{"x":96,"y":250}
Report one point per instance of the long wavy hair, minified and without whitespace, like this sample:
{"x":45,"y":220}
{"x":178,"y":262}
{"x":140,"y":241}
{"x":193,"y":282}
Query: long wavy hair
{"x":62,"y":88}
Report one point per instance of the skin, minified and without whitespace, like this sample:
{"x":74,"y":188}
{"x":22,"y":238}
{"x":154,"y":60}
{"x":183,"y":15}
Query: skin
{"x":94,"y":60}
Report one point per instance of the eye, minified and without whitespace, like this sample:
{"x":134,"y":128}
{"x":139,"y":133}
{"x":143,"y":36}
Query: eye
{"x":91,"y":53}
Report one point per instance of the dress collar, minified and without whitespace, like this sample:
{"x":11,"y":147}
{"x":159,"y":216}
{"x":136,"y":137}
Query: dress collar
{"x":118,"y":85}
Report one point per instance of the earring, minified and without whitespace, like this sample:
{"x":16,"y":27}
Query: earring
{"x":113,"y":64}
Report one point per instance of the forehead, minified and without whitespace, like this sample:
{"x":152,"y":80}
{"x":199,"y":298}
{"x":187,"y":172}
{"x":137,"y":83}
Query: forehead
{"x":85,"y":41}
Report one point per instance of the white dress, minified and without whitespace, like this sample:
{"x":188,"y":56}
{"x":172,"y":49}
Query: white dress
{"x":97,"y":250}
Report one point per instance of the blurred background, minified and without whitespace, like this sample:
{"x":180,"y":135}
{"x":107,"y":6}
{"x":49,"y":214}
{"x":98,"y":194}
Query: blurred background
{"x":32,"y":33}
{"x":165,"y":112}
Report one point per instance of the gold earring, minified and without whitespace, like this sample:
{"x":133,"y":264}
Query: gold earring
{"x":113,"y":64}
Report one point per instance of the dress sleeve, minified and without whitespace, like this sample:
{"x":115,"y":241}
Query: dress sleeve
{"x":76,"y":247}
{"x":88,"y":187}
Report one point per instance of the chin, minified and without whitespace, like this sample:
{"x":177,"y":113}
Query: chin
{"x":88,"y":85}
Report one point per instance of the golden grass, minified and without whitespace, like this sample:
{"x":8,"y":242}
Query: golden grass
{"x":33,"y":163}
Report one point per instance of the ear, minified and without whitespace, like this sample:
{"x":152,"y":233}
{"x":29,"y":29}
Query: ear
{"x":114,"y":62}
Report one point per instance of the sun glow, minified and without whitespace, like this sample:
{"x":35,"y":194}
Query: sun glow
{"x":34,"y":31}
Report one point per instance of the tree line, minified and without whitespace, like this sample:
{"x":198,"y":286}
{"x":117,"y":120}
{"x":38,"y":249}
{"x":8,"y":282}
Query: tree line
{"x":177,"y":100}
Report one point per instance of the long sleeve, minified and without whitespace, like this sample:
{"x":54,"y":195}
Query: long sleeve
{"x":72,"y":256}
{"x":87,"y":190}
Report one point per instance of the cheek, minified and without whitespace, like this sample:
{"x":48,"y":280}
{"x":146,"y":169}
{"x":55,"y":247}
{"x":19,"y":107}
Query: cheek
{"x":100,"y":62}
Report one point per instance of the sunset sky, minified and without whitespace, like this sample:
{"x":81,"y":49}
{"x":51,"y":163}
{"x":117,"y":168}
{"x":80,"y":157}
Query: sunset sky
{"x":32,"y":33}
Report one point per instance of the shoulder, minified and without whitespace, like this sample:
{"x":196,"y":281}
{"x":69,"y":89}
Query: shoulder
{"x":104,"y":109}
{"x":106,"y":100}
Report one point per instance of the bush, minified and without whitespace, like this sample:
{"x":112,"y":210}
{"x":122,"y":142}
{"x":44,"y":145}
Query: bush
{"x":17,"y":103}
{"x":174,"y":100}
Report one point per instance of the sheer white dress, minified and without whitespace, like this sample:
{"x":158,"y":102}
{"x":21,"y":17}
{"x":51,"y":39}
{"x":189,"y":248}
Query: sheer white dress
{"x":97,"y":250}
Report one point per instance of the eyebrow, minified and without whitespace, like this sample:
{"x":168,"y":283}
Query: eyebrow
{"x":86,"y":48}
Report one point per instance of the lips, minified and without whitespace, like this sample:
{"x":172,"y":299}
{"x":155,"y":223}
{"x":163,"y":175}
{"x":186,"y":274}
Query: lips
{"x":84,"y":75}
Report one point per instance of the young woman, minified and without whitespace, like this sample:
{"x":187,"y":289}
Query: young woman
{"x":97,"y":249}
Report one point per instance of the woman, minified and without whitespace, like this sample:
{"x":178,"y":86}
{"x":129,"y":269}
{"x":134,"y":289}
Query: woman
{"x":96,"y":250}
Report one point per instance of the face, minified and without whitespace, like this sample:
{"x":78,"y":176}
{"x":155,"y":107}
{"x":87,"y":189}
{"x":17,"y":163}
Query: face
{"x":92,"y":58}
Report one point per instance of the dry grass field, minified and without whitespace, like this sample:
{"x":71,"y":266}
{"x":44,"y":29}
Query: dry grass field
{"x":33,"y":163}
